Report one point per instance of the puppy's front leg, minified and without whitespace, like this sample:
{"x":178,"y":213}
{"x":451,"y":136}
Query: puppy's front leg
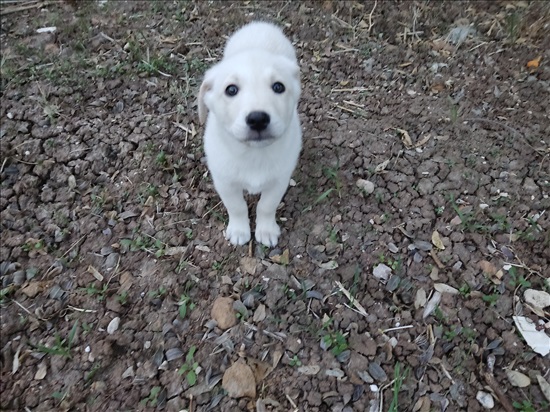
{"x":267,"y":230}
{"x":238,"y":229}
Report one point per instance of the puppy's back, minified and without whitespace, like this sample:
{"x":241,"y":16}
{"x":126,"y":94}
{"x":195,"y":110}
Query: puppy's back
{"x":259,"y":35}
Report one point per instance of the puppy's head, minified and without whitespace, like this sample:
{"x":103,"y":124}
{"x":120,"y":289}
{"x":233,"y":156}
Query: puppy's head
{"x":252,"y":95}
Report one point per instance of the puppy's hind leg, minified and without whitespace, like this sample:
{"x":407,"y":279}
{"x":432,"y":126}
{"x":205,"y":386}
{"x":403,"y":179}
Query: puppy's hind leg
{"x":238,"y":229}
{"x":267,"y":230}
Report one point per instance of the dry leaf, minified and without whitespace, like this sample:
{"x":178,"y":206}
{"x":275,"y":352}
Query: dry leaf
{"x":534,"y":64}
{"x":259,"y":313}
{"x":420,"y":299}
{"x":538,"y":340}
{"x":432,"y":304}
{"x":309,"y":370}
{"x":282,"y":259}
{"x":41,"y":372}
{"x":436,"y":240}
{"x":382,"y":166}
{"x":422,"y":141}
{"x":443,"y":288}
{"x":456,"y":221}
{"x":544,"y":387}
{"x":518,"y":379}
{"x":16,"y":363}
{"x":328,"y":265}
{"x":407,"y":141}
{"x":95,"y":273}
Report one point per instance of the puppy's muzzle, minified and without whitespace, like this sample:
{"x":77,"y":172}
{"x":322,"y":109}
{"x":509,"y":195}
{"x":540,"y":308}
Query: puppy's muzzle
{"x":258,"y":121}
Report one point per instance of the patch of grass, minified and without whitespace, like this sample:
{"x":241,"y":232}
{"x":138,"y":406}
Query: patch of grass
{"x":190,"y":367}
{"x":161,"y":159}
{"x":144,"y":243}
{"x":394,"y":264}
{"x":92,"y":290}
{"x":152,"y":399}
{"x":90,"y":375}
{"x":60,"y":347}
{"x":185,"y":304}
{"x":399,"y":377}
{"x":517,"y":279}
{"x":156,"y":64}
{"x":513,"y":22}
{"x":453,"y":111}
{"x":332,"y":339}
{"x":36,"y":245}
{"x":295,"y":361}
{"x":491,"y":299}
{"x":465,"y":290}
{"x":87,"y":328}
{"x":122,"y":298}
{"x":158,"y":293}
{"x":524,"y":406}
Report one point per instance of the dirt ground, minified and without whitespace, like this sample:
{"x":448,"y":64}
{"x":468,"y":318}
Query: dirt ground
{"x":414,"y":236}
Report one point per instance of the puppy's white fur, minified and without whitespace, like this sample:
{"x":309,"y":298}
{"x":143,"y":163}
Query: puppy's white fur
{"x":239,"y":156}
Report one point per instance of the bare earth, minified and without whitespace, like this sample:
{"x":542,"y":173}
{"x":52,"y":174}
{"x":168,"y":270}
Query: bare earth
{"x":417,"y":225}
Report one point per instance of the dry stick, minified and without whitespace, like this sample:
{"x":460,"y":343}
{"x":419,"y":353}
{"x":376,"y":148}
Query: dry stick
{"x":24,"y":7}
{"x":506,"y":404}
{"x":371,"y":24}
{"x":63,"y":255}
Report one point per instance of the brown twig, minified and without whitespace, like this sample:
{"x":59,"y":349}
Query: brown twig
{"x":503,"y":399}
{"x":27,"y":6}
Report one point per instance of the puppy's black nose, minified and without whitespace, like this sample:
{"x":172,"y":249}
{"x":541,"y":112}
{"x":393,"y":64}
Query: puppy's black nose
{"x":257,"y":121}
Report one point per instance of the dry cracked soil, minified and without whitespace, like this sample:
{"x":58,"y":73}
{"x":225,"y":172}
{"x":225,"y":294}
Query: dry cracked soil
{"x":415,"y":234}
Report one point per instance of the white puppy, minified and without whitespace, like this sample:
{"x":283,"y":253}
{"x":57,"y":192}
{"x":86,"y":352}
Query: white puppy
{"x":252,"y":138}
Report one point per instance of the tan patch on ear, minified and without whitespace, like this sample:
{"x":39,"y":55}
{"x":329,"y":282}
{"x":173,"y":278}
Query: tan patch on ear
{"x":203,"y":110}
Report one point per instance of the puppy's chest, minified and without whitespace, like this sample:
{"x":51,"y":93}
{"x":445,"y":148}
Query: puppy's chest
{"x":255,"y":174}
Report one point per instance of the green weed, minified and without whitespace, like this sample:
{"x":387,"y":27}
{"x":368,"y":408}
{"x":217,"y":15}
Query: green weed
{"x":295,"y":361}
{"x":399,"y":377}
{"x":60,"y":347}
{"x":189,"y":368}
{"x":185,"y":304}
{"x":92,"y":290}
{"x":152,"y":399}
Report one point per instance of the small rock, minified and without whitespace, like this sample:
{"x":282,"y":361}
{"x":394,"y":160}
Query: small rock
{"x":128,"y":373}
{"x":537,"y":298}
{"x":518,"y":379}
{"x":487,"y":267}
{"x":32,"y":289}
{"x":382,"y":271}
{"x":294,"y":344}
{"x":309,"y":369}
{"x":365,"y":185}
{"x":238,"y":380}
{"x":223,"y":313}
{"x":529,"y":185}
{"x":335,"y":373}
{"x":113,"y":325}
{"x":485,"y":399}
{"x":376,"y":371}
{"x":112,"y":261}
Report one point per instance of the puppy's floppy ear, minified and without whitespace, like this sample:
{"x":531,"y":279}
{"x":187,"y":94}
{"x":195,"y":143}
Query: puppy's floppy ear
{"x":206,"y":86}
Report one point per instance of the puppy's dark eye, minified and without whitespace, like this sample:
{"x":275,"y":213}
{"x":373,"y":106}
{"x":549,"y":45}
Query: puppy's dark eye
{"x":231,"y":90}
{"x":278,"y":87}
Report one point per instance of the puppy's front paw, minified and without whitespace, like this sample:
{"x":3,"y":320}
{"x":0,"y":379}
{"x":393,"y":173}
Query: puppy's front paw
{"x":237,"y":234}
{"x":268,"y":233}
